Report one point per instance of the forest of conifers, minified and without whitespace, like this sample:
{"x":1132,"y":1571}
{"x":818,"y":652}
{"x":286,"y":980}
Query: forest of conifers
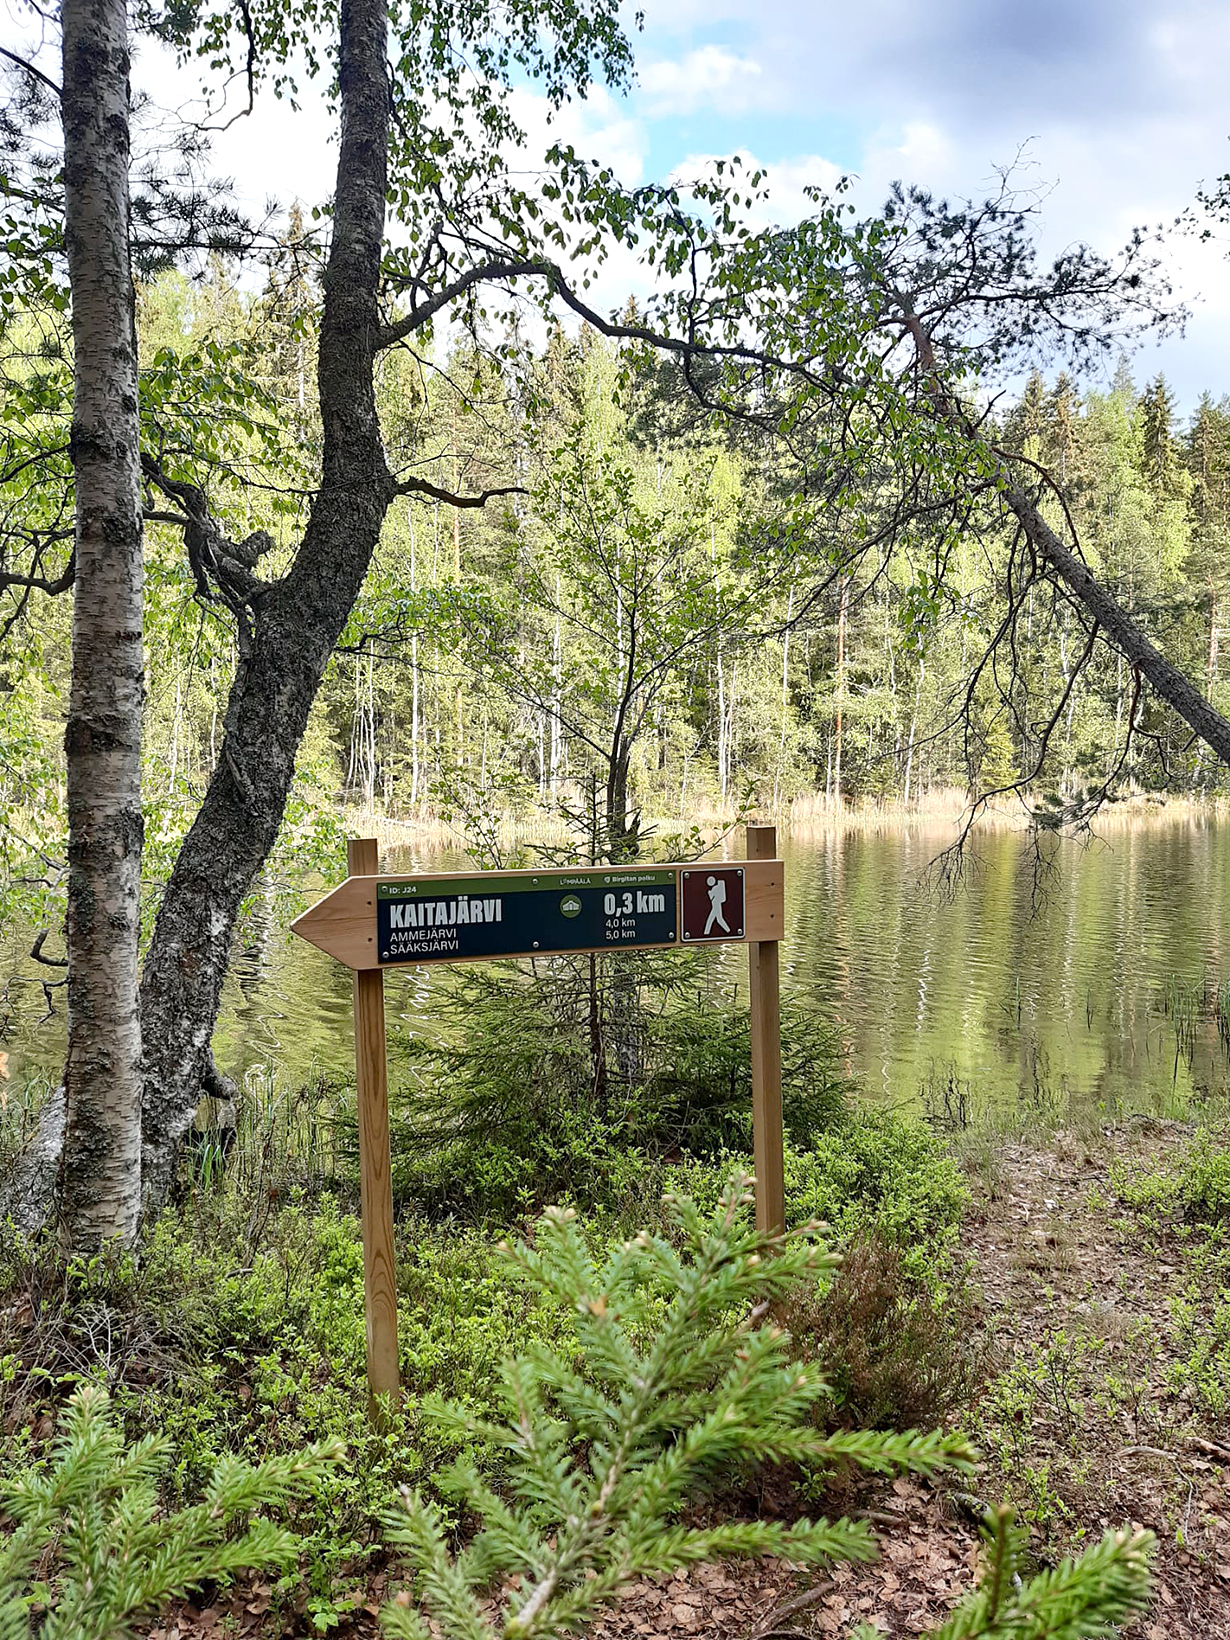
{"x":641,"y":587}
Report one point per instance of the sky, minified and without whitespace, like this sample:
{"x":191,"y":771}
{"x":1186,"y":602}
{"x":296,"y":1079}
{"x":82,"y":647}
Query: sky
{"x":1115,"y":109}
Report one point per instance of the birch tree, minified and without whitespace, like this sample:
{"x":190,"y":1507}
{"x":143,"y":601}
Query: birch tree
{"x":101,"y":1160}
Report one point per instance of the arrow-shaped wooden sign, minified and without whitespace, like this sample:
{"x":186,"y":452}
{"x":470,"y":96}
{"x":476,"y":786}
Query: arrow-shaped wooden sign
{"x":374,"y":922}
{"x":370,"y":922}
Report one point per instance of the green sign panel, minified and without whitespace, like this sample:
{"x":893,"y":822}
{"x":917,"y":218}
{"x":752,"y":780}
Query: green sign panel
{"x":431,"y":920}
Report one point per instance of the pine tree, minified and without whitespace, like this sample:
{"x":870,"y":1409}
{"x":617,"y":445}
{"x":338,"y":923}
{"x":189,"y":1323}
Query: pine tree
{"x":1208,"y":566}
{"x":1026,"y":421}
{"x":1122,"y":384}
{"x":1160,"y":452}
{"x":1063,"y":413}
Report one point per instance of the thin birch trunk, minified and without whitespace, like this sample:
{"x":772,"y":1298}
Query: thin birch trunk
{"x":721,"y":745}
{"x":414,"y":673}
{"x":1213,"y":646}
{"x":781,"y":744}
{"x":175,"y":725}
{"x":370,"y":780}
{"x":557,"y":694}
{"x":352,"y":765}
{"x":840,"y":695}
{"x":100,"y":1165}
{"x":909,"y":762}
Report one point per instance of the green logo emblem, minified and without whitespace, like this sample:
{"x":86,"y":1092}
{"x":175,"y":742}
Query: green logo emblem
{"x":570,"y":905}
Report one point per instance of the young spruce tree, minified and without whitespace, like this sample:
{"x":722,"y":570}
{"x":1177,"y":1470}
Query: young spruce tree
{"x":677,"y":1377}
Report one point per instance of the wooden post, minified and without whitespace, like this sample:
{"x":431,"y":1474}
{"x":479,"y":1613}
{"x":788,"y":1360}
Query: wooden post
{"x":375,"y":1164}
{"x":764,"y":984}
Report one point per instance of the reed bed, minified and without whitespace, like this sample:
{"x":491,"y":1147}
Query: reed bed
{"x":937,"y":810}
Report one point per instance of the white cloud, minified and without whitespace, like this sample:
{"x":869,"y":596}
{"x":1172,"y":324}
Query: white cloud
{"x":1121,"y":103}
{"x":782,"y":194}
{"x":709,"y":77}
{"x":598,"y":128}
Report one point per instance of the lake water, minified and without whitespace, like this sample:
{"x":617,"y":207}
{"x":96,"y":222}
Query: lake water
{"x":980,"y":1000}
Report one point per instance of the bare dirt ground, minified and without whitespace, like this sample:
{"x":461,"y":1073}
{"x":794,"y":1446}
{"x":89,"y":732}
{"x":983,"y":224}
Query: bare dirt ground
{"x":1091,"y":1415}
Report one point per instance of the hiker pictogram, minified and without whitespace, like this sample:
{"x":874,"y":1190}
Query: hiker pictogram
{"x":713,"y":903}
{"x":717,"y":899}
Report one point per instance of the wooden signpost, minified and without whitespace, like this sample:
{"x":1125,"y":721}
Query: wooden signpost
{"x":372,"y":922}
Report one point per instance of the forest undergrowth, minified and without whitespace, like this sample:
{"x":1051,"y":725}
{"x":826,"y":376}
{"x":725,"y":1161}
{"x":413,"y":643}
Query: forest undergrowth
{"x":1057,"y":1300}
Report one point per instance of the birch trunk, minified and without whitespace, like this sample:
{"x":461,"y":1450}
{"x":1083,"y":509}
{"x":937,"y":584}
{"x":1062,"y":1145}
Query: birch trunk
{"x":840,"y":692}
{"x":100,"y":1164}
{"x":414,"y":677}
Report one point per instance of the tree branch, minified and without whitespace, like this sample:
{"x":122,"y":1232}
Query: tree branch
{"x":1167,"y":680}
{"x":501,"y":268}
{"x":41,"y":583}
{"x":29,"y":68}
{"x":214,"y":559}
{"x":421,"y":486}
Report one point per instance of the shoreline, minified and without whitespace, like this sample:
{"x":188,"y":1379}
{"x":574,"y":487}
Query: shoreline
{"x":803,"y":817}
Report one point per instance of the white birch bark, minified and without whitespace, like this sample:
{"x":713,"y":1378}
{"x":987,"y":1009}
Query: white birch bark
{"x":414,"y":676}
{"x":100,"y":1170}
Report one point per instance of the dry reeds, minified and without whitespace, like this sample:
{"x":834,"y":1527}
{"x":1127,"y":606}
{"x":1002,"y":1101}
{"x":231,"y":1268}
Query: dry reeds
{"x":939,"y":809}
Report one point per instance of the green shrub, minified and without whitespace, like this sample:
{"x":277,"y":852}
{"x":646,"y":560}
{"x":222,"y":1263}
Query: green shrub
{"x":665,"y":1373}
{"x":550,"y":1088}
{"x":1201,"y":1367}
{"x":896,"y":1355}
{"x":1204,"y":1187}
{"x":230,"y":1346}
{"x":882,"y":1171}
{"x":697,"y":1093}
{"x":671,"y":1378}
{"x":1196,"y":1184}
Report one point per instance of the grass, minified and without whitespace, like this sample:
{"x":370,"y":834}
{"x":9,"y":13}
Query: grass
{"x":1191,"y":1006}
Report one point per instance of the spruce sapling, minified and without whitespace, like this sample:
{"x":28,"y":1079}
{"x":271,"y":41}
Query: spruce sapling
{"x":90,"y":1552}
{"x":678,"y":1378}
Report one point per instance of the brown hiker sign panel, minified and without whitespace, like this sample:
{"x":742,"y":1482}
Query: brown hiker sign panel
{"x":713,"y":904}
{"x":468,"y":916}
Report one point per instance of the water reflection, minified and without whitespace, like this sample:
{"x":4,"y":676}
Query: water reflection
{"x":977,"y":999}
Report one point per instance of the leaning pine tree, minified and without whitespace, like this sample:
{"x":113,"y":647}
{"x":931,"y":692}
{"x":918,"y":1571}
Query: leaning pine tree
{"x":678,"y":1377}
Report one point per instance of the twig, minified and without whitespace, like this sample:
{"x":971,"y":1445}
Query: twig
{"x":768,"y":1624}
{"x":36,"y":951}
